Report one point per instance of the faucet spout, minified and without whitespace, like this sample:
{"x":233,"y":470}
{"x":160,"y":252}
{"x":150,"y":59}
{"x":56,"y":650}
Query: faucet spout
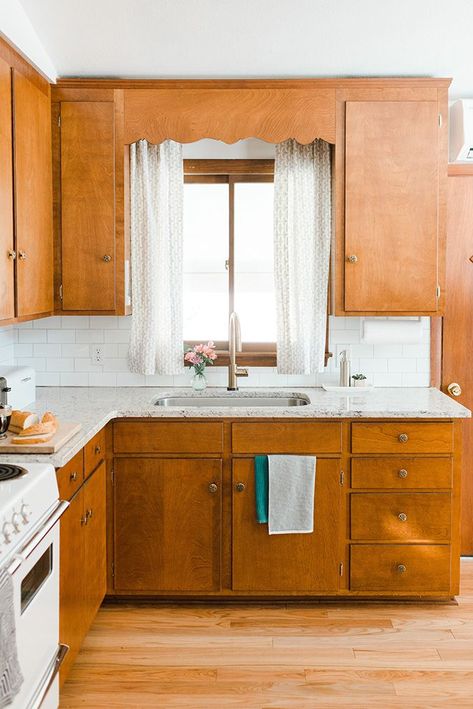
{"x":234,"y":346}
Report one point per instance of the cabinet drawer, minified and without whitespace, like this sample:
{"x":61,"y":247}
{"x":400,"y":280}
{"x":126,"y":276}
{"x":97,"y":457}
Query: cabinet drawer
{"x":406,"y":516}
{"x":286,"y":437}
{"x":71,"y":476}
{"x":398,"y":567}
{"x":401,"y":473}
{"x":167,"y":437}
{"x":94,"y":452}
{"x":401,"y":437}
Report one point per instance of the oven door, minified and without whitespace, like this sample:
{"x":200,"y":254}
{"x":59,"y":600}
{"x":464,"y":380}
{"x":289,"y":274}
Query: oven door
{"x":35,"y":573}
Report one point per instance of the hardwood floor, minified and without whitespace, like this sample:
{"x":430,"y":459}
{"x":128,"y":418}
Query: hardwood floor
{"x":278,"y":656}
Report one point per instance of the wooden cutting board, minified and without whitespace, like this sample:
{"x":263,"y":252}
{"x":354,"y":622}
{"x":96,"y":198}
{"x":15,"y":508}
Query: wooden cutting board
{"x":63,"y":434}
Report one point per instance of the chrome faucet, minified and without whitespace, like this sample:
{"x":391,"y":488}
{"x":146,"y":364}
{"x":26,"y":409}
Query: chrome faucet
{"x":234,"y":346}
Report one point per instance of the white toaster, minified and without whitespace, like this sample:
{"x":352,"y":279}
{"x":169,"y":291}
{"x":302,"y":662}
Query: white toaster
{"x":17,"y":386}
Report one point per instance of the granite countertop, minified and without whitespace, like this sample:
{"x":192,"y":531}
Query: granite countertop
{"x":94,"y":407}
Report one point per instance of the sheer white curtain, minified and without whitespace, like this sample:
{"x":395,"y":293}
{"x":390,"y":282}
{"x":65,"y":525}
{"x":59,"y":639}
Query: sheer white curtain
{"x":157,"y":188}
{"x":302,"y":234}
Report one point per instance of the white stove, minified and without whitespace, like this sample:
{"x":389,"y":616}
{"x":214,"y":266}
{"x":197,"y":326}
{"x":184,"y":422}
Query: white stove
{"x":30,"y":510}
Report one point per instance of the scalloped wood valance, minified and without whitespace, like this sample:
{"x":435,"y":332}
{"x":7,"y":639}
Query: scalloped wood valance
{"x":229,"y":114}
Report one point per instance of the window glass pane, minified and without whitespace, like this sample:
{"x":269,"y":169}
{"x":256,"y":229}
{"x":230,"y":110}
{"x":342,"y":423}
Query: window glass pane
{"x":205,"y":253}
{"x":254,"y":281}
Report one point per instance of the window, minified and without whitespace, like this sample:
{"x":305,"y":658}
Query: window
{"x":228,"y":255}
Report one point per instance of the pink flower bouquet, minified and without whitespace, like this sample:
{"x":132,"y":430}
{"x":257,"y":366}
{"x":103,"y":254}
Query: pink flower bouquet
{"x":200,"y":356}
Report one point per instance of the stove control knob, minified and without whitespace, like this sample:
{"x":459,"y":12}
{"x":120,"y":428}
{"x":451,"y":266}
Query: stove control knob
{"x":17,"y":521}
{"x":26,"y":513}
{"x":8,"y":531}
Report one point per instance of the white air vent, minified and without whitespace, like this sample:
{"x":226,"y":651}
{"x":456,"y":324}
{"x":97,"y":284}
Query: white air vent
{"x":461,"y":131}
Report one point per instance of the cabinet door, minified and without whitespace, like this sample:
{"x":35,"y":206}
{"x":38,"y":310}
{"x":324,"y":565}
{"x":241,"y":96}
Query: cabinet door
{"x":73,"y":621}
{"x":286,"y":562}
{"x":95,"y":541}
{"x":167,"y":524}
{"x":7,"y":292}
{"x":88,"y":205}
{"x":391,"y":206}
{"x":33,"y":197}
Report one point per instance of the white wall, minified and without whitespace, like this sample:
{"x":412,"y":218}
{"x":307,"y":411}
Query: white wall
{"x":250,"y":38}
{"x":16,"y":27}
{"x":61,"y":350}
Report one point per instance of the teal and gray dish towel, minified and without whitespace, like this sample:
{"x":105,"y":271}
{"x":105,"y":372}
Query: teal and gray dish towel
{"x":11,"y":678}
{"x":284,"y":490}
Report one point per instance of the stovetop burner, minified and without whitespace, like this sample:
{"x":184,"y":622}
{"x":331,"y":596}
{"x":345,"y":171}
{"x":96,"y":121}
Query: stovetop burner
{"x":8,"y":472}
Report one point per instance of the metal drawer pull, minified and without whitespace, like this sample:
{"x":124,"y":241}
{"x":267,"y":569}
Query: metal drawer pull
{"x":240,"y":487}
{"x":401,"y":568}
{"x":107,"y":258}
{"x":73,"y":477}
{"x":22,"y":255}
{"x":213,"y":487}
{"x":88,"y":514}
{"x":11,"y":255}
{"x":352,"y":259}
{"x":84,"y":520}
{"x":403,"y":473}
{"x":403,"y":438}
{"x":402,"y":517}
{"x":97,"y":450}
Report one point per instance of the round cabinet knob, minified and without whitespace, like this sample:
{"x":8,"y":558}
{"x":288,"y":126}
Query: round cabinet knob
{"x":8,"y":531}
{"x":403,"y":438}
{"x":26,"y":513}
{"x":17,"y":521}
{"x":240,"y":487}
{"x":401,"y":568}
{"x":22,"y":255}
{"x":107,"y":258}
{"x":402,"y":473}
{"x":12,"y":255}
{"x":352,"y":258}
{"x":97,"y":450}
{"x":454,"y":389}
{"x":73,"y":477}
{"x":402,"y":517}
{"x":213,"y":487}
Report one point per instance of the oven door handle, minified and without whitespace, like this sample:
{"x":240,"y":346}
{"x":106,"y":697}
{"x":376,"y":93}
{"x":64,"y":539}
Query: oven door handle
{"x":49,"y":677}
{"x":38,"y":537}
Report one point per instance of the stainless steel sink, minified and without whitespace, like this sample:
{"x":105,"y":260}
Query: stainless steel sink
{"x":232,"y":401}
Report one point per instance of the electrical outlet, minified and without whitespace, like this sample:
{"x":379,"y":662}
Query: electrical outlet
{"x":97,"y":355}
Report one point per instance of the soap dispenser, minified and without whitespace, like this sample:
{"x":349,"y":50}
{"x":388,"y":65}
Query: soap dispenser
{"x":345,"y":367}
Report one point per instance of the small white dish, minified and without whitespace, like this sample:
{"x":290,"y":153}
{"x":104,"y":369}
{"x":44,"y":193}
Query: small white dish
{"x":353,"y":391}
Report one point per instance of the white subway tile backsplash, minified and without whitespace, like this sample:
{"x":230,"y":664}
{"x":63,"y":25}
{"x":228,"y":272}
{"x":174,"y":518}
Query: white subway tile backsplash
{"x":64,"y":347}
{"x":60,"y":336}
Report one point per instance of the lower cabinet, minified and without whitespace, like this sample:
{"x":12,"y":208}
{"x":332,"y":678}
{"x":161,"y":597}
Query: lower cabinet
{"x":167,"y":524}
{"x":82,"y":563}
{"x":288,"y":562}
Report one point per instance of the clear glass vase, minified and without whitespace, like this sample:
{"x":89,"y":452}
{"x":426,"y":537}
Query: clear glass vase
{"x":199,"y":381}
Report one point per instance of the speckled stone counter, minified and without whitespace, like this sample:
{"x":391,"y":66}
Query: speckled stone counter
{"x":94,"y":407}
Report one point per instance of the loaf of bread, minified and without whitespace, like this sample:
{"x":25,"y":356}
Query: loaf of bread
{"x":32,"y":440}
{"x":48,"y":424}
{"x":21,"y":420}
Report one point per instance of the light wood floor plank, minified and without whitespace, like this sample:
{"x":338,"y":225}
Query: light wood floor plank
{"x":270,"y":656}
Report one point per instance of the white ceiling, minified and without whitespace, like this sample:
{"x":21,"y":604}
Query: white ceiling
{"x":238,"y":38}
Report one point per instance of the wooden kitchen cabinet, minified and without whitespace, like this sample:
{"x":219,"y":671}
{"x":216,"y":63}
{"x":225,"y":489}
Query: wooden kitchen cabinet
{"x":287,"y":562}
{"x":82,"y":559}
{"x":392,"y":173}
{"x":167,"y":524}
{"x":33,"y":198}
{"x":7,"y":286}
{"x":87,"y":159}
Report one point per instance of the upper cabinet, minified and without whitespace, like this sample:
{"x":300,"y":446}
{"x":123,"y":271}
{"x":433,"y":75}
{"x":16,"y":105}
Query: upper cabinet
{"x":391,"y":206}
{"x":389,"y":177}
{"x":26,"y":230}
{"x":7,"y":288}
{"x":33,"y":198}
{"x":88,"y":205}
